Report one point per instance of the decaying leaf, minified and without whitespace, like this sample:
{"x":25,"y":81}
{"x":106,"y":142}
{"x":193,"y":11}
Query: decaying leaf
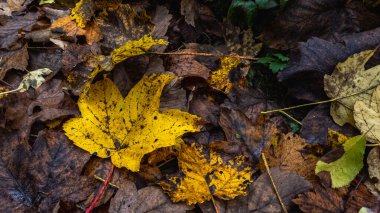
{"x":373,"y":161}
{"x":126,"y":130}
{"x":286,"y":153}
{"x":148,"y":199}
{"x":206,"y":175}
{"x":83,"y":12}
{"x":359,"y":197}
{"x":262,"y":197}
{"x":15,"y":59}
{"x":348,"y":78}
{"x":33,"y":79}
{"x":220,"y":78}
{"x":343,"y":164}
{"x":368,"y":116}
{"x":320,"y":201}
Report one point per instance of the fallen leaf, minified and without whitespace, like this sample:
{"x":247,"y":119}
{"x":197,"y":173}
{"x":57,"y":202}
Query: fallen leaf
{"x":33,"y":79}
{"x":343,"y":164}
{"x":317,"y":57}
{"x":83,"y":12}
{"x":189,"y":9}
{"x":351,"y":77}
{"x":360,"y":197}
{"x":241,"y":41}
{"x":220,"y":78}
{"x":317,"y":124}
{"x":325,"y":19}
{"x":10,"y":31}
{"x":15,"y":59}
{"x":367,"y":117}
{"x":320,"y":201}
{"x":205,"y":175}
{"x":262,"y":197}
{"x":126,"y":130}
{"x":161,"y":20}
{"x":53,"y":166}
{"x":287,"y":155}
{"x":148,"y":199}
{"x":373,"y":161}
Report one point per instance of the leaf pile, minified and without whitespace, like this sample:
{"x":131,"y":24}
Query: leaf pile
{"x":178,"y":106}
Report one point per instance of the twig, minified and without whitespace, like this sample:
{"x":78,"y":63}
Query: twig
{"x":273,"y":184}
{"x":206,"y":54}
{"x":107,"y":180}
{"x":214,"y":203}
{"x":10,"y":91}
{"x":101,"y":179}
{"x":317,"y":103}
{"x":291,"y":117}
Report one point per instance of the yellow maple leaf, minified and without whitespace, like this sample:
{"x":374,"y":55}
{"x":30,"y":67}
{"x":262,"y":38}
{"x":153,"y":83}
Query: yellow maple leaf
{"x":206,"y":175}
{"x":220,"y":78}
{"x":127,"y":129}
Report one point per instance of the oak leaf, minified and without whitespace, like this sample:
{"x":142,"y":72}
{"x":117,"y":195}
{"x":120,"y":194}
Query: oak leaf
{"x":220,"y":78}
{"x":368,"y":116}
{"x":345,"y":164}
{"x":206,"y":175}
{"x":322,"y":200}
{"x":126,"y":130}
{"x":351,"y":77}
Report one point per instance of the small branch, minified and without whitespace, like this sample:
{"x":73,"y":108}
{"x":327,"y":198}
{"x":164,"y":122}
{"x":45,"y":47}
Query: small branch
{"x":273,"y":184}
{"x":206,"y":54}
{"x":102,"y":190}
{"x":214,"y":203}
{"x":101,"y":179}
{"x":317,"y":103}
{"x":291,"y":117}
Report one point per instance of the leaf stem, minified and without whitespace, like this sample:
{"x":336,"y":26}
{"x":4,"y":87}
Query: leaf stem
{"x":10,"y":91}
{"x":102,"y":190}
{"x":206,"y":54}
{"x":291,"y":117}
{"x":317,"y":103}
{"x":273,"y":184}
{"x":214,"y":203}
{"x":101,"y":179}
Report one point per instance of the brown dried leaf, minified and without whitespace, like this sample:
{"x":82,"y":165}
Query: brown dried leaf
{"x":373,"y":161}
{"x":15,"y":59}
{"x":148,"y":199}
{"x":362,"y":197}
{"x":320,"y":201}
{"x":262,"y":197}
{"x":287,"y":155}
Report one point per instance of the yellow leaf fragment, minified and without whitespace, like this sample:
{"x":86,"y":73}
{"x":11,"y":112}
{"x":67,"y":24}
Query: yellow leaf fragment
{"x":368,"y":116}
{"x":83,"y":12}
{"x":206,"y":175}
{"x":127,"y":129}
{"x":135,"y":47}
{"x":348,"y":78}
{"x":220,"y":78}
{"x":335,"y":138}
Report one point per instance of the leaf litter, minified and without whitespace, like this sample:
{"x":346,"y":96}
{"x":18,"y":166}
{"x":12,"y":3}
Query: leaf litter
{"x":157,"y":106}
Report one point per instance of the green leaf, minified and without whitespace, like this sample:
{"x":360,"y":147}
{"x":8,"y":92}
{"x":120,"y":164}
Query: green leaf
{"x":277,"y":66}
{"x":265,"y":60}
{"x":46,"y":2}
{"x":346,"y":167}
{"x":282,"y":57}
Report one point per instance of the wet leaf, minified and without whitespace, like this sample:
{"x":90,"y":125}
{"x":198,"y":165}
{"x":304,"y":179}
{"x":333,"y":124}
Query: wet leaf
{"x":262,"y":197}
{"x":33,"y":79}
{"x":368,"y":116}
{"x":351,"y":77}
{"x":322,"y":200}
{"x":205,"y":175}
{"x":220,"y":78}
{"x":126,"y":130}
{"x":15,"y":59}
{"x":343,"y":163}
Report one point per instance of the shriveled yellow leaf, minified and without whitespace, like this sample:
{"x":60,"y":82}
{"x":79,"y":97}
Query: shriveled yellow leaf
{"x":83,"y":12}
{"x":127,"y":129}
{"x":348,"y":78}
{"x":336,"y":138}
{"x":220,"y":78}
{"x":368,"y":116}
{"x":206,"y":175}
